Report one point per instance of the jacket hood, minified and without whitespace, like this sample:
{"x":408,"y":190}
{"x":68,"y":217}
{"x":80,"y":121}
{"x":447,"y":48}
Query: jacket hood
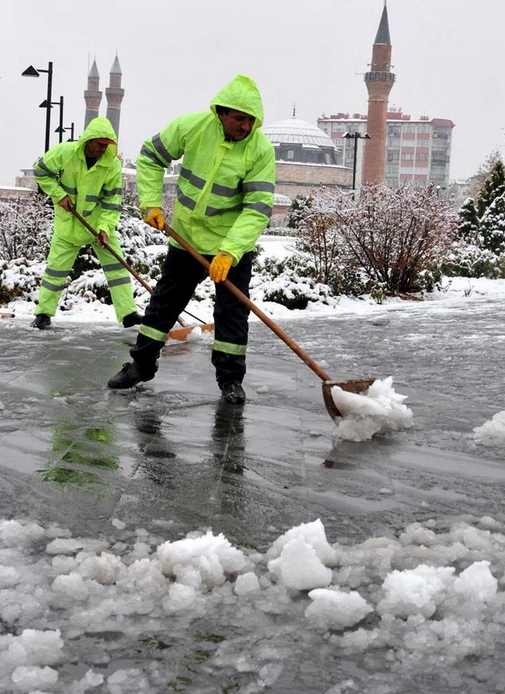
{"x":241,"y":94}
{"x":96,"y":128}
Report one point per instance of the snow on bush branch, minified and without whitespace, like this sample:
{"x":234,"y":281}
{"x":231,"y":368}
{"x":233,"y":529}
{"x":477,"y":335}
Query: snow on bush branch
{"x":396,"y":238}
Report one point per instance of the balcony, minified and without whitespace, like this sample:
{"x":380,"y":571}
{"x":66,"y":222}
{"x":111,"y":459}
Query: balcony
{"x":379,"y":76}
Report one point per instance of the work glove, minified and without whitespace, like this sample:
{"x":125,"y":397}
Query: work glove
{"x":154,"y":217}
{"x":219,"y":267}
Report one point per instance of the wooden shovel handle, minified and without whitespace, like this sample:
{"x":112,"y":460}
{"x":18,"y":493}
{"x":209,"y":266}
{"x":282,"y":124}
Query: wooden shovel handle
{"x":122,"y":260}
{"x":112,"y":251}
{"x":252,"y":307}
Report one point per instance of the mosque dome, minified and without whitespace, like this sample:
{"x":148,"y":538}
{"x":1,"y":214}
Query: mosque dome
{"x":298,"y":141}
{"x":282,"y":200}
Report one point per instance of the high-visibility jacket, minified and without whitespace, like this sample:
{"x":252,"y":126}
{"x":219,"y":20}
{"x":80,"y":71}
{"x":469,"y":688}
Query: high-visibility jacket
{"x":95,"y":192}
{"x":225,"y":189}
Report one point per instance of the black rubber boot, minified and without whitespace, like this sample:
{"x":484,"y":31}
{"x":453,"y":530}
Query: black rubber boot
{"x":132,"y":319}
{"x":42,"y":322}
{"x":128,"y":377}
{"x":233,"y":392}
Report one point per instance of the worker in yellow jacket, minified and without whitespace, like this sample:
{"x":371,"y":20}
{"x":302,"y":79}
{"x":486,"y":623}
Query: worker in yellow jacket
{"x":225,"y":194}
{"x":84,"y":175}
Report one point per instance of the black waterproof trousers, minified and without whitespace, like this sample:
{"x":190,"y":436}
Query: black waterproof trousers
{"x":180,"y":276}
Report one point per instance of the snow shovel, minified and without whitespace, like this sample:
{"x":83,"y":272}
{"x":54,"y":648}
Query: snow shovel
{"x":353,"y":386}
{"x":177,"y":333}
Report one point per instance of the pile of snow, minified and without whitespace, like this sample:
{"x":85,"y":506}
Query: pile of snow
{"x":491,"y":433}
{"x":379,"y":409}
{"x":429,"y":598}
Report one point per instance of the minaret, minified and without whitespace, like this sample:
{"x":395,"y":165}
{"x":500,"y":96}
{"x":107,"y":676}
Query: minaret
{"x":379,"y":82}
{"x":114,"y":95}
{"x":92,"y":95}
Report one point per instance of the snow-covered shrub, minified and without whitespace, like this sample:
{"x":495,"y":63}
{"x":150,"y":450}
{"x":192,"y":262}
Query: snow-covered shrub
{"x":288,"y":282}
{"x":393,"y":236}
{"x":275,"y":267}
{"x":319,"y":240}
{"x":25,"y":228}
{"x":19,"y":278}
{"x":469,"y":260}
{"x":348,"y":280}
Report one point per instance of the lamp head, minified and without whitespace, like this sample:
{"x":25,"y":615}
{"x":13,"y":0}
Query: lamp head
{"x":30,"y":72}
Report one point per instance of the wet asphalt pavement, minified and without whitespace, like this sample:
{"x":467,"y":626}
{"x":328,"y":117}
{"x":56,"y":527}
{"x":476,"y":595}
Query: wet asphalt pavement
{"x":75,"y":453}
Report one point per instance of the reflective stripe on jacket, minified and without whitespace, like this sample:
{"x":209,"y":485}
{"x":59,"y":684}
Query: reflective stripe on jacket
{"x":95,"y":192}
{"x":225,"y":189}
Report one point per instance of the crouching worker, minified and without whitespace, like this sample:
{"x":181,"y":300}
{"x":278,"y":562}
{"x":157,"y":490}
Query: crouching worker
{"x":84,"y":175}
{"x":224,"y":202}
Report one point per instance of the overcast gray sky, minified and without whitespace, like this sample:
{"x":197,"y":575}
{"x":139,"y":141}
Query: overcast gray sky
{"x":448,"y":56}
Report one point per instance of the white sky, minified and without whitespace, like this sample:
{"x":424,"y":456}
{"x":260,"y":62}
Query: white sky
{"x":176,"y":54}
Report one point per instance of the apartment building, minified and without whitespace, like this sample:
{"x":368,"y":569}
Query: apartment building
{"x":417,"y":151}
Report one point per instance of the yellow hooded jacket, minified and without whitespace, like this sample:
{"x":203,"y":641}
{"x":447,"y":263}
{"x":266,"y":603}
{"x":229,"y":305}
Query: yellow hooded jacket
{"x":95,"y":192}
{"x":225,"y":190}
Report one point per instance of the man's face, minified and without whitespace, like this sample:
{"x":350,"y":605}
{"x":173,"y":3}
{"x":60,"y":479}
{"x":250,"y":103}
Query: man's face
{"x":95,"y":149}
{"x":237,"y":124}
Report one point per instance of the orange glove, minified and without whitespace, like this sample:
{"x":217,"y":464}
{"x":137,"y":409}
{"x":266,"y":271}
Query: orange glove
{"x":154,"y":217}
{"x":219,"y":267}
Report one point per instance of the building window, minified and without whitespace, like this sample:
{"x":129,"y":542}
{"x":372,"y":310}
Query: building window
{"x":291,"y":154}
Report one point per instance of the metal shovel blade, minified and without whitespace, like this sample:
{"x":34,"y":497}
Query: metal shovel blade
{"x":358,"y":385}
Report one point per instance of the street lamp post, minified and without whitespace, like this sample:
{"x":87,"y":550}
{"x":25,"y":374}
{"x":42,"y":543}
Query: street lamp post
{"x":35,"y":72}
{"x":355,"y":136}
{"x":60,"y":129}
{"x":71,"y":128}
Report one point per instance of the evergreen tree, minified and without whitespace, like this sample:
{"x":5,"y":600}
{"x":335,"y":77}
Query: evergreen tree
{"x":492,"y":227}
{"x":477,"y":180}
{"x":468,"y":221}
{"x":297,"y":211}
{"x":493,"y":186}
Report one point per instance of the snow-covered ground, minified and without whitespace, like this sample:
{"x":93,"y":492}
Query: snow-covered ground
{"x":429,"y":602}
{"x":423,"y":610}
